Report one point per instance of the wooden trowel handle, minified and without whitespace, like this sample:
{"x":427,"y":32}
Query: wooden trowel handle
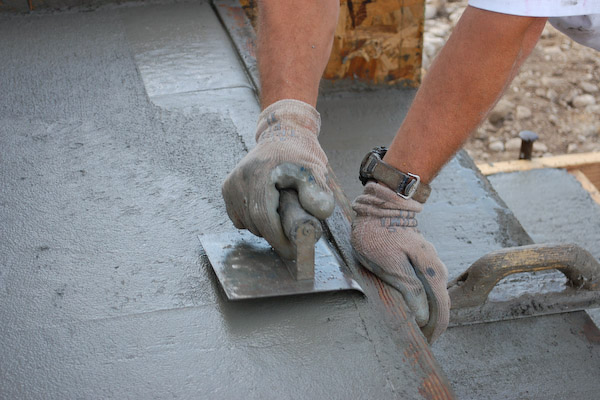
{"x":303,"y":230}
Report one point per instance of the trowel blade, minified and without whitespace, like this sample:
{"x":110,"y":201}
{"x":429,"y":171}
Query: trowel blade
{"x":248,"y":268}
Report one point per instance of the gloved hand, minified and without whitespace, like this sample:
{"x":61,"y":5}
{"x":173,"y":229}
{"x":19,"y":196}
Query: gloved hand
{"x":387,"y":242}
{"x":287,"y":156}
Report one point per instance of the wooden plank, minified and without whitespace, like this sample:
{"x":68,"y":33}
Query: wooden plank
{"x":592,"y":173}
{"x":386,"y":303}
{"x":567,"y":161}
{"x":587,"y":184}
{"x":378,"y":42}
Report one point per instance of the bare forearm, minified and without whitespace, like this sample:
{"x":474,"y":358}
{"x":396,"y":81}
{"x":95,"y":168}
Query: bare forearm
{"x":294,"y":43}
{"x":470,"y":74}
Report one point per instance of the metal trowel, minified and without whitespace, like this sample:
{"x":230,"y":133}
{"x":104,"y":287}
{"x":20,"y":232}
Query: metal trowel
{"x":247,"y":267}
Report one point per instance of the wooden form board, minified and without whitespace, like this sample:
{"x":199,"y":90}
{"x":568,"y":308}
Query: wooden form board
{"x":587,"y":184}
{"x":376,"y":42}
{"x":585,"y":167}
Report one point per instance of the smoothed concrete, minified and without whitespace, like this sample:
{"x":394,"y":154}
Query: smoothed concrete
{"x":105,"y":186}
{"x":182,"y":48}
{"x":552,"y":206}
{"x":105,"y":290}
{"x":550,"y":357}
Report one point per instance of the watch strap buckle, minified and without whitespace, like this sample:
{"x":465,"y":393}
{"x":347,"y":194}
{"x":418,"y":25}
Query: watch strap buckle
{"x":408,"y":186}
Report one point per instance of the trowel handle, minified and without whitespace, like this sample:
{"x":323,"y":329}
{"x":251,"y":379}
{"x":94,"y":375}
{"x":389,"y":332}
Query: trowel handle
{"x":472,"y":287}
{"x":294,"y":219}
{"x":303,"y":230}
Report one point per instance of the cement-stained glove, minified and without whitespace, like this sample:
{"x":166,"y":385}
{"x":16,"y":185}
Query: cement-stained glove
{"x":287,"y":156}
{"x":387,"y":242}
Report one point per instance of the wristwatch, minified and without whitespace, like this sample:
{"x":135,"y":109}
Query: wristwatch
{"x":406,"y":185}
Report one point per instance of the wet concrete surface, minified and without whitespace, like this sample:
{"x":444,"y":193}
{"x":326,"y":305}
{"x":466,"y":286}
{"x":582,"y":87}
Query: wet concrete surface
{"x":105,"y":289}
{"x":550,"y":357}
{"x":188,"y":65}
{"x":109,"y":170}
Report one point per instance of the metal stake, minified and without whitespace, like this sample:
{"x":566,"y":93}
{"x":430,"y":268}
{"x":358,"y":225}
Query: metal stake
{"x":527,"y":139}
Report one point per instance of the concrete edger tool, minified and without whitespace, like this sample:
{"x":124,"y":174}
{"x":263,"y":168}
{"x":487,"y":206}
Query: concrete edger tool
{"x":247,"y":267}
{"x":478,"y":296}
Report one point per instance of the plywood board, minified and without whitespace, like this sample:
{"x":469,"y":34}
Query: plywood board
{"x":377,"y":42}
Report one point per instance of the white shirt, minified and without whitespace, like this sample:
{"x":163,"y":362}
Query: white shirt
{"x":539,"y":8}
{"x":578,"y":19}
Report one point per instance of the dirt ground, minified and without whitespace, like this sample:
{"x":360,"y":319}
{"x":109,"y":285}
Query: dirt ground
{"x":556,"y":95}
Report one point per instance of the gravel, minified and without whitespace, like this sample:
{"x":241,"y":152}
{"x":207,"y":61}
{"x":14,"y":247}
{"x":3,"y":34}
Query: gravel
{"x":556,"y":94}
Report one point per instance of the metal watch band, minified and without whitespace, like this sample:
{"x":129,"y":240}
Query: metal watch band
{"x":406,"y":185}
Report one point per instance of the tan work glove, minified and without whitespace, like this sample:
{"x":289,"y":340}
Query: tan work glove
{"x":287,"y":156}
{"x":387,"y":242}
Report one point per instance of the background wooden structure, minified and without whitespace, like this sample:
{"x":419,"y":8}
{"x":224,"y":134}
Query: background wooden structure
{"x":377,"y":42}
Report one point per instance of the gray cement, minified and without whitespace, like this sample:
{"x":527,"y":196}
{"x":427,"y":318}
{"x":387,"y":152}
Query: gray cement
{"x":550,"y":357}
{"x":105,"y":292}
{"x":188,"y":65}
{"x":110,"y":168}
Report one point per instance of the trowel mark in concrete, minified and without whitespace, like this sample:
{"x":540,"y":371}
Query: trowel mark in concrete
{"x":182,"y":48}
{"x":188,"y":64}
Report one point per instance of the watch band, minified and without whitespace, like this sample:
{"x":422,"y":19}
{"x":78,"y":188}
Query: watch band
{"x":406,"y":185}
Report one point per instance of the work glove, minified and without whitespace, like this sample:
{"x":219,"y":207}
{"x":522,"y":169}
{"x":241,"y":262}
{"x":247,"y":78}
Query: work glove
{"x":387,"y":242}
{"x":287,"y":156}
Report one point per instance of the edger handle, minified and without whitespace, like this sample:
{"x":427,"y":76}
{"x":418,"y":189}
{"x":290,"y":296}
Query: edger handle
{"x":303,"y":230}
{"x":472,"y":287}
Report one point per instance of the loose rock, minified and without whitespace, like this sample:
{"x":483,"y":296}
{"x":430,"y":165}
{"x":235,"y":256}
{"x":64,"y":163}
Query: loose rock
{"x":523,"y":113}
{"x":496,"y":146}
{"x":455,"y":16}
{"x":552,"y":95}
{"x":540,"y":147}
{"x":551,"y":81}
{"x":573,"y":93}
{"x":553,"y":50}
{"x":440,"y":30}
{"x":593,"y":109}
{"x":588,"y":87}
{"x":551,"y":90}
{"x":583,"y":100}
{"x":430,"y":11}
{"x":513,"y":144}
{"x":501,"y":111}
